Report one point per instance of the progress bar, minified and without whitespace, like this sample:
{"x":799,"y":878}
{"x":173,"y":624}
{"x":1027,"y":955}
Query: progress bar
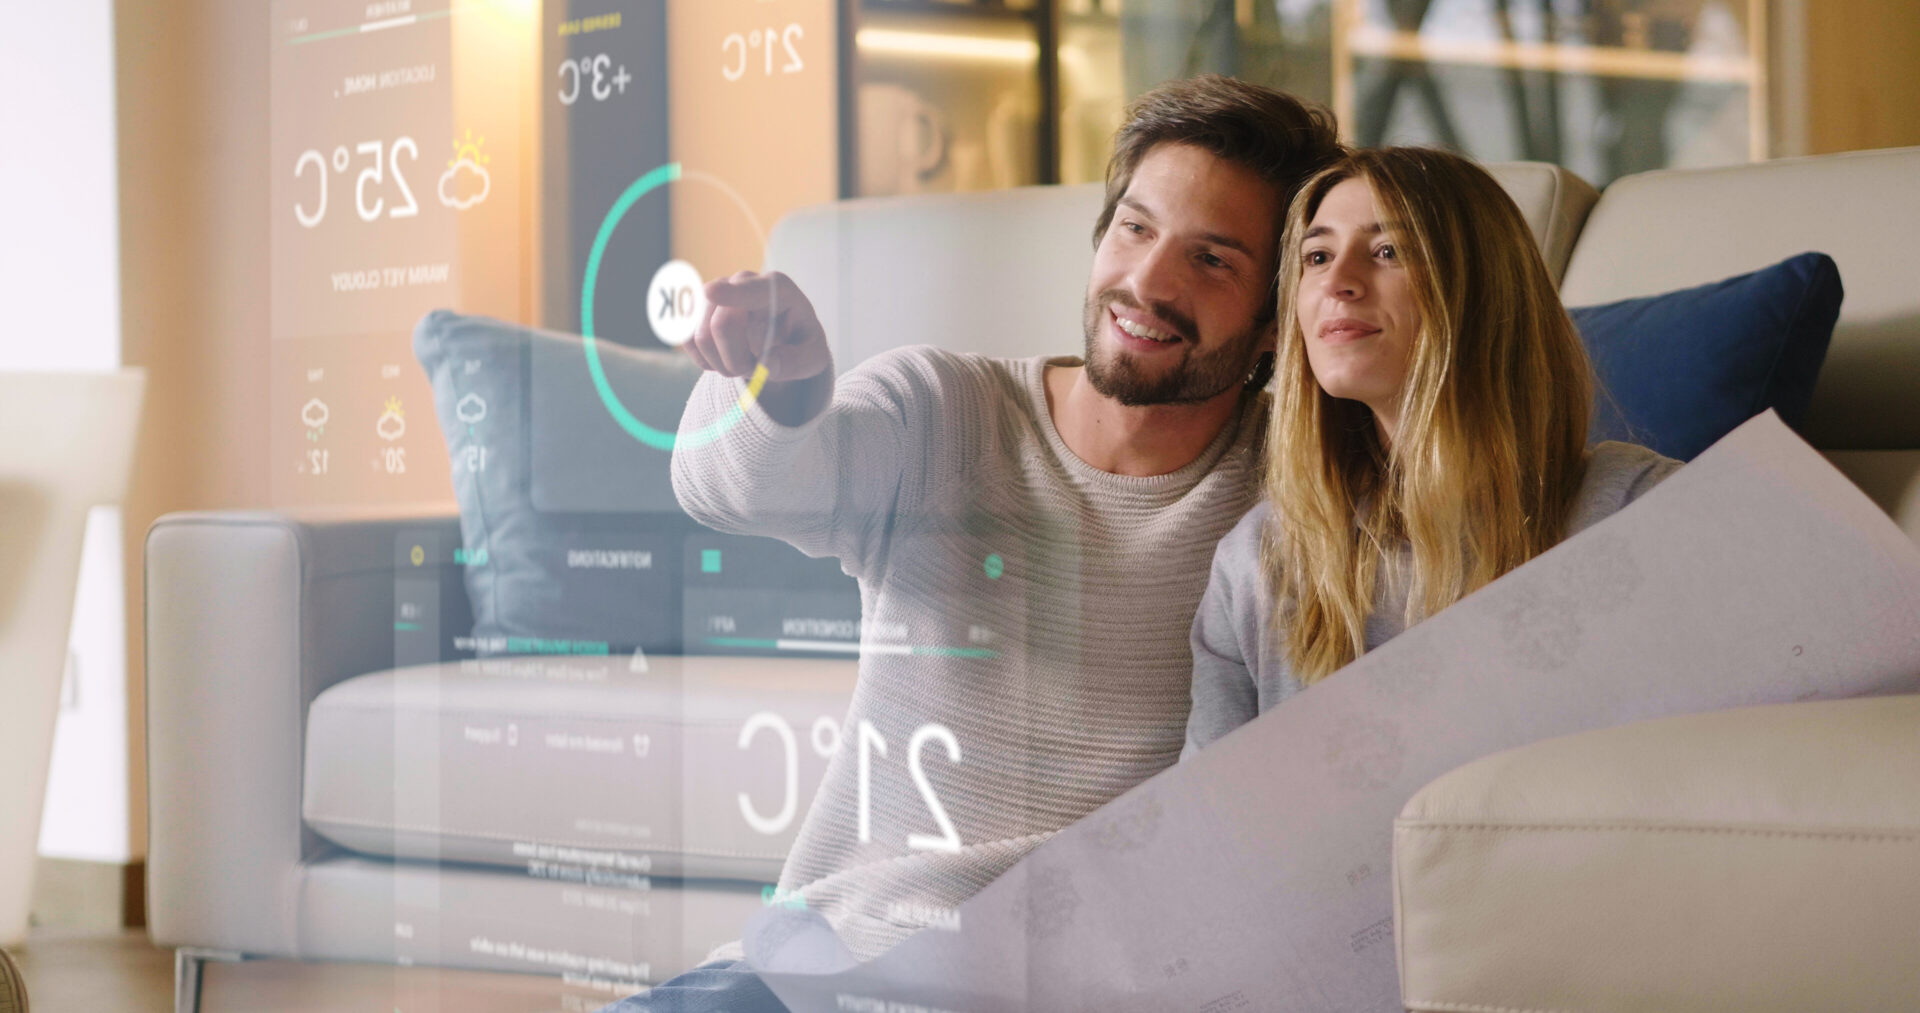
{"x":849,"y":647}
{"x":404,"y":19}
{"x":371,"y":26}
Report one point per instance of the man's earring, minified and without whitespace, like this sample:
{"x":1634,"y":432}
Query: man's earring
{"x":1262,"y":372}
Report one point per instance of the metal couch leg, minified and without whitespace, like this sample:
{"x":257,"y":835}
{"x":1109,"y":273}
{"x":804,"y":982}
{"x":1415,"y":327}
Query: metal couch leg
{"x":187,"y":964}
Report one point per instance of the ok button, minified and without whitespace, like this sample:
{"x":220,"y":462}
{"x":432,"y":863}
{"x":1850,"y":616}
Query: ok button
{"x":676,"y":300}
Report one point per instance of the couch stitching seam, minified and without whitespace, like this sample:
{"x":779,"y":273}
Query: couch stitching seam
{"x":672,"y":849}
{"x":1895,"y":836}
{"x":412,"y":710}
{"x":1474,"y":1007}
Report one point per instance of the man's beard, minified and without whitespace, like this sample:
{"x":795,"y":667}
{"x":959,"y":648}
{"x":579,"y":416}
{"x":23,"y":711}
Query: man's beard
{"x":1197,"y":377}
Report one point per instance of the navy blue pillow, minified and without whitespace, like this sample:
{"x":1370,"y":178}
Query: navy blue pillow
{"x":1680,"y":370}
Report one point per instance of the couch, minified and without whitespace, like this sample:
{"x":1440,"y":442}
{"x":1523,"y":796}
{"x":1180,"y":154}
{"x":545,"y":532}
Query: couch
{"x":319,"y":793}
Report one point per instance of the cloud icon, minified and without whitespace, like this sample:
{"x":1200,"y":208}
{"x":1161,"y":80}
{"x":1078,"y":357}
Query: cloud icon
{"x":314,"y":413}
{"x":465,"y":184}
{"x":471,"y":409}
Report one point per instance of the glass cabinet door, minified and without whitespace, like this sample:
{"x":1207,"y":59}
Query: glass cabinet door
{"x":978,"y":94}
{"x":1604,"y":87}
{"x":947,"y":96}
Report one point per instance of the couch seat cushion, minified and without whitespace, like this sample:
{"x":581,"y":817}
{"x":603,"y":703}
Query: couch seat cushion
{"x":1762,"y":859}
{"x":577,"y":767}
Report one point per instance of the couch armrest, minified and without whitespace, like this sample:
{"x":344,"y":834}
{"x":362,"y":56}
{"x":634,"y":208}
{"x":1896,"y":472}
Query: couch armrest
{"x":249,"y":616}
{"x":1762,"y":859}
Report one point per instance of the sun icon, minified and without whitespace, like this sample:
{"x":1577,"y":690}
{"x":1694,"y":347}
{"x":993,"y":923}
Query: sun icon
{"x":393,"y":406}
{"x":469,"y":149}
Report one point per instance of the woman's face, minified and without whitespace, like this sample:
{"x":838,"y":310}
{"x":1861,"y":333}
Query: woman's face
{"x":1356,"y":306}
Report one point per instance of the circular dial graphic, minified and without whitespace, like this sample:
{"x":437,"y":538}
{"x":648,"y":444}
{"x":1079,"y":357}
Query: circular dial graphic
{"x":676,"y":300}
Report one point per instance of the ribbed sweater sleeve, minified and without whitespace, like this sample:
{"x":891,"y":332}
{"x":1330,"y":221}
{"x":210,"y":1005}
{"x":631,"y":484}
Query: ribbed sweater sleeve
{"x":1225,"y":647}
{"x":834,"y":485}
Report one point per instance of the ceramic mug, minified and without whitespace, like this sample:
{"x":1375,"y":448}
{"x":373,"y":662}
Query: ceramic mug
{"x":903,"y":140}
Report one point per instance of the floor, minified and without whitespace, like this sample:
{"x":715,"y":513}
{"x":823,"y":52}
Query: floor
{"x":83,"y":973}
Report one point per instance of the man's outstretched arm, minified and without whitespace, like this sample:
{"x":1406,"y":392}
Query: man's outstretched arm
{"x":791,"y":454}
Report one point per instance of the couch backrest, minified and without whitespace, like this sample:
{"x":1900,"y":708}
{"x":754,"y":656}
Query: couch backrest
{"x":1005,"y":272}
{"x":999,"y":273}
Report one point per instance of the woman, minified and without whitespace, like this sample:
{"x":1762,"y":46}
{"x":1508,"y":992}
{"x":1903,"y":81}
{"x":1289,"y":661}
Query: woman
{"x":1428,"y":431}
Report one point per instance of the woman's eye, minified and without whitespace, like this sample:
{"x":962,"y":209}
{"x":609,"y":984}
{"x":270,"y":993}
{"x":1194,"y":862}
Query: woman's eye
{"x":1316,"y":257}
{"x":1134,"y":227}
{"x":1387,"y":252}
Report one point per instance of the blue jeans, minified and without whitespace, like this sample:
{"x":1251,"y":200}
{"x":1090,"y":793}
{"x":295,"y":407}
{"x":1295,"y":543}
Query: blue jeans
{"x":724,"y":986}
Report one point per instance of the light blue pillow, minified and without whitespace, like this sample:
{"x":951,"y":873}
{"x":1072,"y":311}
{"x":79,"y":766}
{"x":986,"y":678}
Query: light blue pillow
{"x":573,"y":540}
{"x":1680,"y":370}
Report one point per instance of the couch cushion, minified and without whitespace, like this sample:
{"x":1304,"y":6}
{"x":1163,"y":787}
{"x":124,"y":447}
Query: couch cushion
{"x":1680,"y":370}
{"x":1763,"y":859}
{"x":549,"y":764}
{"x":1658,"y":231}
{"x":1891,"y":478}
{"x":1554,"y":202}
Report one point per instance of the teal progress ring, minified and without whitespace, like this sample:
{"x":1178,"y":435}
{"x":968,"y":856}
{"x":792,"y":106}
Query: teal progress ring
{"x":656,"y":438}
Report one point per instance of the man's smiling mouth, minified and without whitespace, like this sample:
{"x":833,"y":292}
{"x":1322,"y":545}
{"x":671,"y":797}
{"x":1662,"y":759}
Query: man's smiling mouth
{"x":1142,"y":331}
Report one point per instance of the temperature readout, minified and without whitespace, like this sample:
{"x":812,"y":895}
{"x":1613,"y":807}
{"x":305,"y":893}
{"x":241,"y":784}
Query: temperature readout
{"x":776,"y":47}
{"x":593,"y":76}
{"x":381,"y":186}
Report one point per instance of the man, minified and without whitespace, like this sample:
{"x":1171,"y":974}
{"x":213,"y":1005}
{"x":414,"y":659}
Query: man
{"x":1031,"y":537}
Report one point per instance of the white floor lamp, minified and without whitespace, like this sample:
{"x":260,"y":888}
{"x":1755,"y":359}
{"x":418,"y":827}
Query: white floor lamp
{"x":66,"y":446}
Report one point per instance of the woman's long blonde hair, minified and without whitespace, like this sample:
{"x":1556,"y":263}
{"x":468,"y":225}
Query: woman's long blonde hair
{"x":1489,"y":449}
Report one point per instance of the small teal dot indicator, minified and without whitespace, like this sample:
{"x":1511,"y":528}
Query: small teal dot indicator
{"x":709,"y":560}
{"x":995,"y":566}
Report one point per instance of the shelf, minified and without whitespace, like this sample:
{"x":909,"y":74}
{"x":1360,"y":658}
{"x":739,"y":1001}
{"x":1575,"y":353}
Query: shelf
{"x":935,"y":8}
{"x":1601,"y":61}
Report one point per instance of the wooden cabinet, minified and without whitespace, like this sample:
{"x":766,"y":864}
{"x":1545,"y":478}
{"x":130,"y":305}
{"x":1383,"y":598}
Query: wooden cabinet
{"x":1846,"y":75}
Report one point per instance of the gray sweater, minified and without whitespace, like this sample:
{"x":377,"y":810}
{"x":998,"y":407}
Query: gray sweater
{"x":1034,"y":606}
{"x":1240,"y":668}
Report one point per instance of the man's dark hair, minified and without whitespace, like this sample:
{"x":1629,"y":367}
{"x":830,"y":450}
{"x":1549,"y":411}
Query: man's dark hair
{"x":1280,"y":138}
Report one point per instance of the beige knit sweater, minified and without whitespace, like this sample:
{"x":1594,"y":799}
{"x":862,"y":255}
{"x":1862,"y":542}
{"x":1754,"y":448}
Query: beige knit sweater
{"x":1033,"y":606}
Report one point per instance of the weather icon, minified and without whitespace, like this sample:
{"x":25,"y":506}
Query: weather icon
{"x":470,"y":409}
{"x":314,"y":413}
{"x":393,"y":423}
{"x":466,"y":181}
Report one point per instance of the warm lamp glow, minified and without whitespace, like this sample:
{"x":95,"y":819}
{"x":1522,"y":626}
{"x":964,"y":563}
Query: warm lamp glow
{"x":961,"y":47}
